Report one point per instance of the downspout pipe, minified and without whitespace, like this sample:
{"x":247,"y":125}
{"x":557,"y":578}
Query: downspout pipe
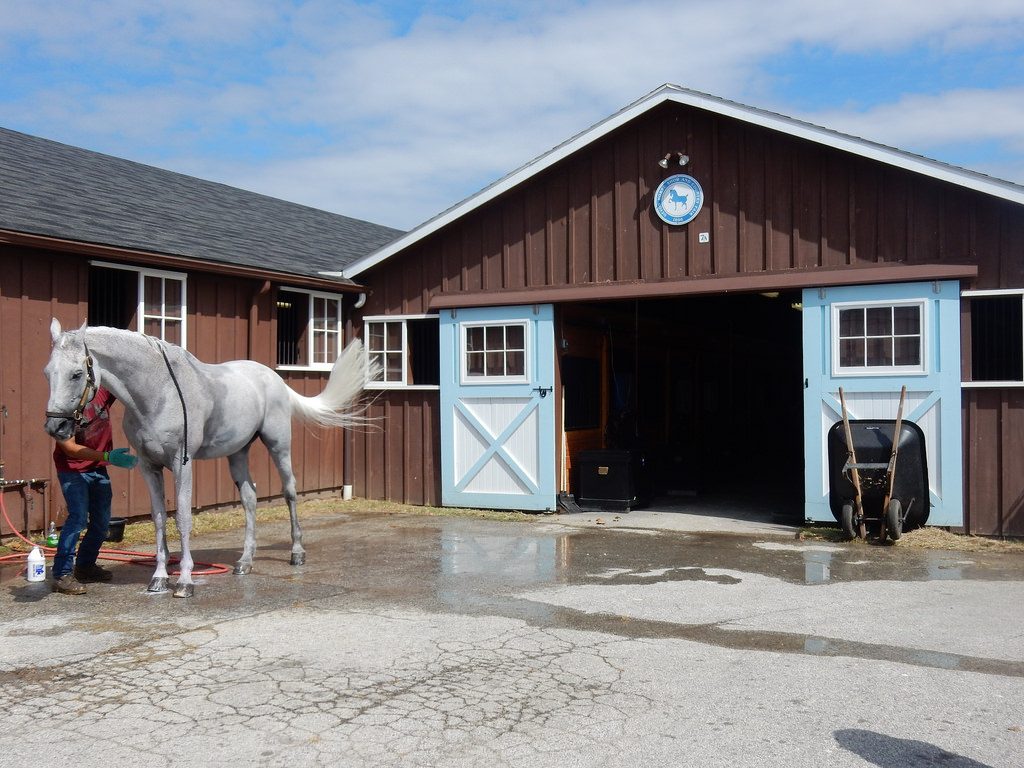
{"x":349,"y":442}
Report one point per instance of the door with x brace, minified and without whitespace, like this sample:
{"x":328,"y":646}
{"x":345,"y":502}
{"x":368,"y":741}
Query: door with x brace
{"x":498,"y":408}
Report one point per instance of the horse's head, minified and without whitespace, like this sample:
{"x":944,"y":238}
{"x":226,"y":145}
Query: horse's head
{"x":73,"y":379}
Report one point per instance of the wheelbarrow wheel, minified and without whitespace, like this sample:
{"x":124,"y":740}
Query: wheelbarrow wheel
{"x":846,"y":518}
{"x":894,"y":519}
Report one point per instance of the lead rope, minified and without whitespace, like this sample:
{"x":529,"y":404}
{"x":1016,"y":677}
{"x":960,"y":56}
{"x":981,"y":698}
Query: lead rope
{"x":181,"y":397}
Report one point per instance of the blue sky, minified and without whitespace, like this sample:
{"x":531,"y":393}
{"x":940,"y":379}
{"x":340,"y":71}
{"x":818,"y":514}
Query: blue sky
{"x":392,"y":112}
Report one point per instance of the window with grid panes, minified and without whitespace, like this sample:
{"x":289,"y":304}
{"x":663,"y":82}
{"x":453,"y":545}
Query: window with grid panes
{"x":495,"y":351}
{"x":405,"y":350}
{"x":877,"y":338}
{"x":145,"y":300}
{"x":309,"y":331}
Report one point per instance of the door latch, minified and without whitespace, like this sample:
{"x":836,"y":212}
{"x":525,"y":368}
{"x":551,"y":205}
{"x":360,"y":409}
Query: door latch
{"x":542,"y":390}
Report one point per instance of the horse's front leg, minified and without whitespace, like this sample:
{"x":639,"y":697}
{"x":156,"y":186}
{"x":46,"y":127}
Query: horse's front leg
{"x":154,"y":476}
{"x":183,"y":516}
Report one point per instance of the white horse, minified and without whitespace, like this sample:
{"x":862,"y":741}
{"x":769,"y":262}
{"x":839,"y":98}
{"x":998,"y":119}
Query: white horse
{"x":177,"y":408}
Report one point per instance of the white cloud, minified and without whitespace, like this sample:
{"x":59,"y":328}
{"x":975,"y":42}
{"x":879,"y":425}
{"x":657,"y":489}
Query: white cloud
{"x":936,"y":120}
{"x":342,"y":112}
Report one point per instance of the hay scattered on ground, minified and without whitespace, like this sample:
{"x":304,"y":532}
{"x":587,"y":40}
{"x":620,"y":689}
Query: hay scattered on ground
{"x":922,"y":538}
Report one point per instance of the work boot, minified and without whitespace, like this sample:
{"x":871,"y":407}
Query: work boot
{"x":90,"y":573}
{"x":68,"y":585}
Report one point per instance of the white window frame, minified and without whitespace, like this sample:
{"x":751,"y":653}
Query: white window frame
{"x":920,"y":369}
{"x":403,"y":319}
{"x":310,"y":339}
{"x":468,"y":380}
{"x":1011,"y":384}
{"x":140,"y":311}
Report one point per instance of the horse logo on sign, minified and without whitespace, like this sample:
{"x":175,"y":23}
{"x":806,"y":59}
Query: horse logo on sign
{"x":678,"y":199}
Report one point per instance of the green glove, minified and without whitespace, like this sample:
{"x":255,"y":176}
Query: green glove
{"x":121,"y":457}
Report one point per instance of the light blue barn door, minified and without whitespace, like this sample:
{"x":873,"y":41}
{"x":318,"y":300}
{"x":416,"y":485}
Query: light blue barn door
{"x":498,"y":408}
{"x":871,"y":340}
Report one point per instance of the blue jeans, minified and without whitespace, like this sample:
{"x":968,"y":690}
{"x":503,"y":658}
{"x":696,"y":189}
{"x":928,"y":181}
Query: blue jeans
{"x":88,"y":497}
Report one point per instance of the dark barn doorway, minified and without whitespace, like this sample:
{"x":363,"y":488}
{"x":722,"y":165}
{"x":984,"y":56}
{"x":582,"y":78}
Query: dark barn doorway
{"x":708,"y":389}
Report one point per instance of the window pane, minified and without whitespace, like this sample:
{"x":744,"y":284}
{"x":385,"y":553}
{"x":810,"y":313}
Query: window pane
{"x":516,"y":364}
{"x":851,"y":322}
{"x":879,"y":351}
{"x":172,"y":331}
{"x":495,"y":337}
{"x":495,"y":364}
{"x":475,"y":363}
{"x":908,"y":350}
{"x":320,"y":347}
{"x":377,"y":362}
{"x":878,"y":321}
{"x":375,"y":337}
{"x":394,"y":367}
{"x":152,"y":327}
{"x":851,"y":353}
{"x":394,"y":343}
{"x":154,"y":298}
{"x":474,"y":339}
{"x":515,"y":338}
{"x":319,"y":313}
{"x":906,"y":320}
{"x":172,"y":298}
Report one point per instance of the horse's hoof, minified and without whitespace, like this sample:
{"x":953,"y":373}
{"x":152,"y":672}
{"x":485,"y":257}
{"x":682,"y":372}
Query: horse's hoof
{"x":185,"y":590}
{"x":298,"y":558}
{"x":241,"y":570}
{"x":158,"y":584}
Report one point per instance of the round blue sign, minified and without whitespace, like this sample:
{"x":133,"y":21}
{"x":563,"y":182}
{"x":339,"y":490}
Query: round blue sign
{"x":678,"y":199}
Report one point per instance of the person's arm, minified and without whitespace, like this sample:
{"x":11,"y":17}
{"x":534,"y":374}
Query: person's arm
{"x":119,"y":457}
{"x":79,"y":452}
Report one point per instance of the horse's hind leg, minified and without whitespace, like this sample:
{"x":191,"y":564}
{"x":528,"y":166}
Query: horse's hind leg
{"x":282,"y":455}
{"x":239,"y":464}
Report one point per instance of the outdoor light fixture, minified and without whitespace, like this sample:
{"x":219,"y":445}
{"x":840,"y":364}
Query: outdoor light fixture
{"x":683,"y":159}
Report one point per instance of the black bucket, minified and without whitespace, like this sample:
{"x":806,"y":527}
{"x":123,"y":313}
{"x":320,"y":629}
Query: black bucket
{"x":115,"y":529}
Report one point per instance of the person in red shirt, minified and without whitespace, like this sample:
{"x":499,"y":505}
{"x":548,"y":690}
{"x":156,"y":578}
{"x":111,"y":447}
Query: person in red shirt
{"x":81,"y":469}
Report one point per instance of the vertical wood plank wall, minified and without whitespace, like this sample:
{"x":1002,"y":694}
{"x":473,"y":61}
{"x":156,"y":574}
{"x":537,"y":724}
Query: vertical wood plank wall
{"x":772,"y":202}
{"x":37,"y":285}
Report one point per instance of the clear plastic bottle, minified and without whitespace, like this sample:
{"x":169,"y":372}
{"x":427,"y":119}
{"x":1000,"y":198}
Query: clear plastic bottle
{"x":51,"y":535}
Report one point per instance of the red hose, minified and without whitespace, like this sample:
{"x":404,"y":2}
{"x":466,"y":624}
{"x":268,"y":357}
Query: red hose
{"x":117,"y":555}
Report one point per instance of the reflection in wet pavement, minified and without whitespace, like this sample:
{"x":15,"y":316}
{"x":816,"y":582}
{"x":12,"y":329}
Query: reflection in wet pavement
{"x":478,"y":573}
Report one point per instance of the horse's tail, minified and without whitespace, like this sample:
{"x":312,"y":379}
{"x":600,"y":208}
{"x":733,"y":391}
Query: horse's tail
{"x":338,"y":405}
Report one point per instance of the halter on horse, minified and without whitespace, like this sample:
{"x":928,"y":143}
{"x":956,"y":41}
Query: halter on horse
{"x":189,"y":408}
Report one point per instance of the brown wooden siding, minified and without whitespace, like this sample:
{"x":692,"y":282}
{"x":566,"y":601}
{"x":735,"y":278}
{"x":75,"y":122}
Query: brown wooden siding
{"x":36,"y":285}
{"x":773,"y":203}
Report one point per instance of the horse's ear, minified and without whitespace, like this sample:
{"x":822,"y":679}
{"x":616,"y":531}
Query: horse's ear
{"x":84,"y":324}
{"x":55,"y":329}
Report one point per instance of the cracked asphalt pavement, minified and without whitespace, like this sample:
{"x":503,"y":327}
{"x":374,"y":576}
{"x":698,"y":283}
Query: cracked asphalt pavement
{"x":422,"y":641}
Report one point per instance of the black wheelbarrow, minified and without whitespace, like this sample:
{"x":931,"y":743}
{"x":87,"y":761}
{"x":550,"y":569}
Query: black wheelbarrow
{"x":878,"y":473}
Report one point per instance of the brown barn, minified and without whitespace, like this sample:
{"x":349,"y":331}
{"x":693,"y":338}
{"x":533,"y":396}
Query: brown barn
{"x":231,"y":274}
{"x":690,"y":282}
{"x":683,"y":288}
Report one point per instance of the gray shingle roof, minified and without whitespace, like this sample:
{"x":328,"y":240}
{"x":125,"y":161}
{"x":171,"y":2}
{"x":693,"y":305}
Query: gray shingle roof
{"x":53,"y":189}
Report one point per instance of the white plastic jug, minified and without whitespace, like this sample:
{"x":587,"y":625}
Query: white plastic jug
{"x":36,"y":565}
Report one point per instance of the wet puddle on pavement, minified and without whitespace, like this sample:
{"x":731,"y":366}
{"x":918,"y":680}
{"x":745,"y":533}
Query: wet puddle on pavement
{"x":478,"y":573}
